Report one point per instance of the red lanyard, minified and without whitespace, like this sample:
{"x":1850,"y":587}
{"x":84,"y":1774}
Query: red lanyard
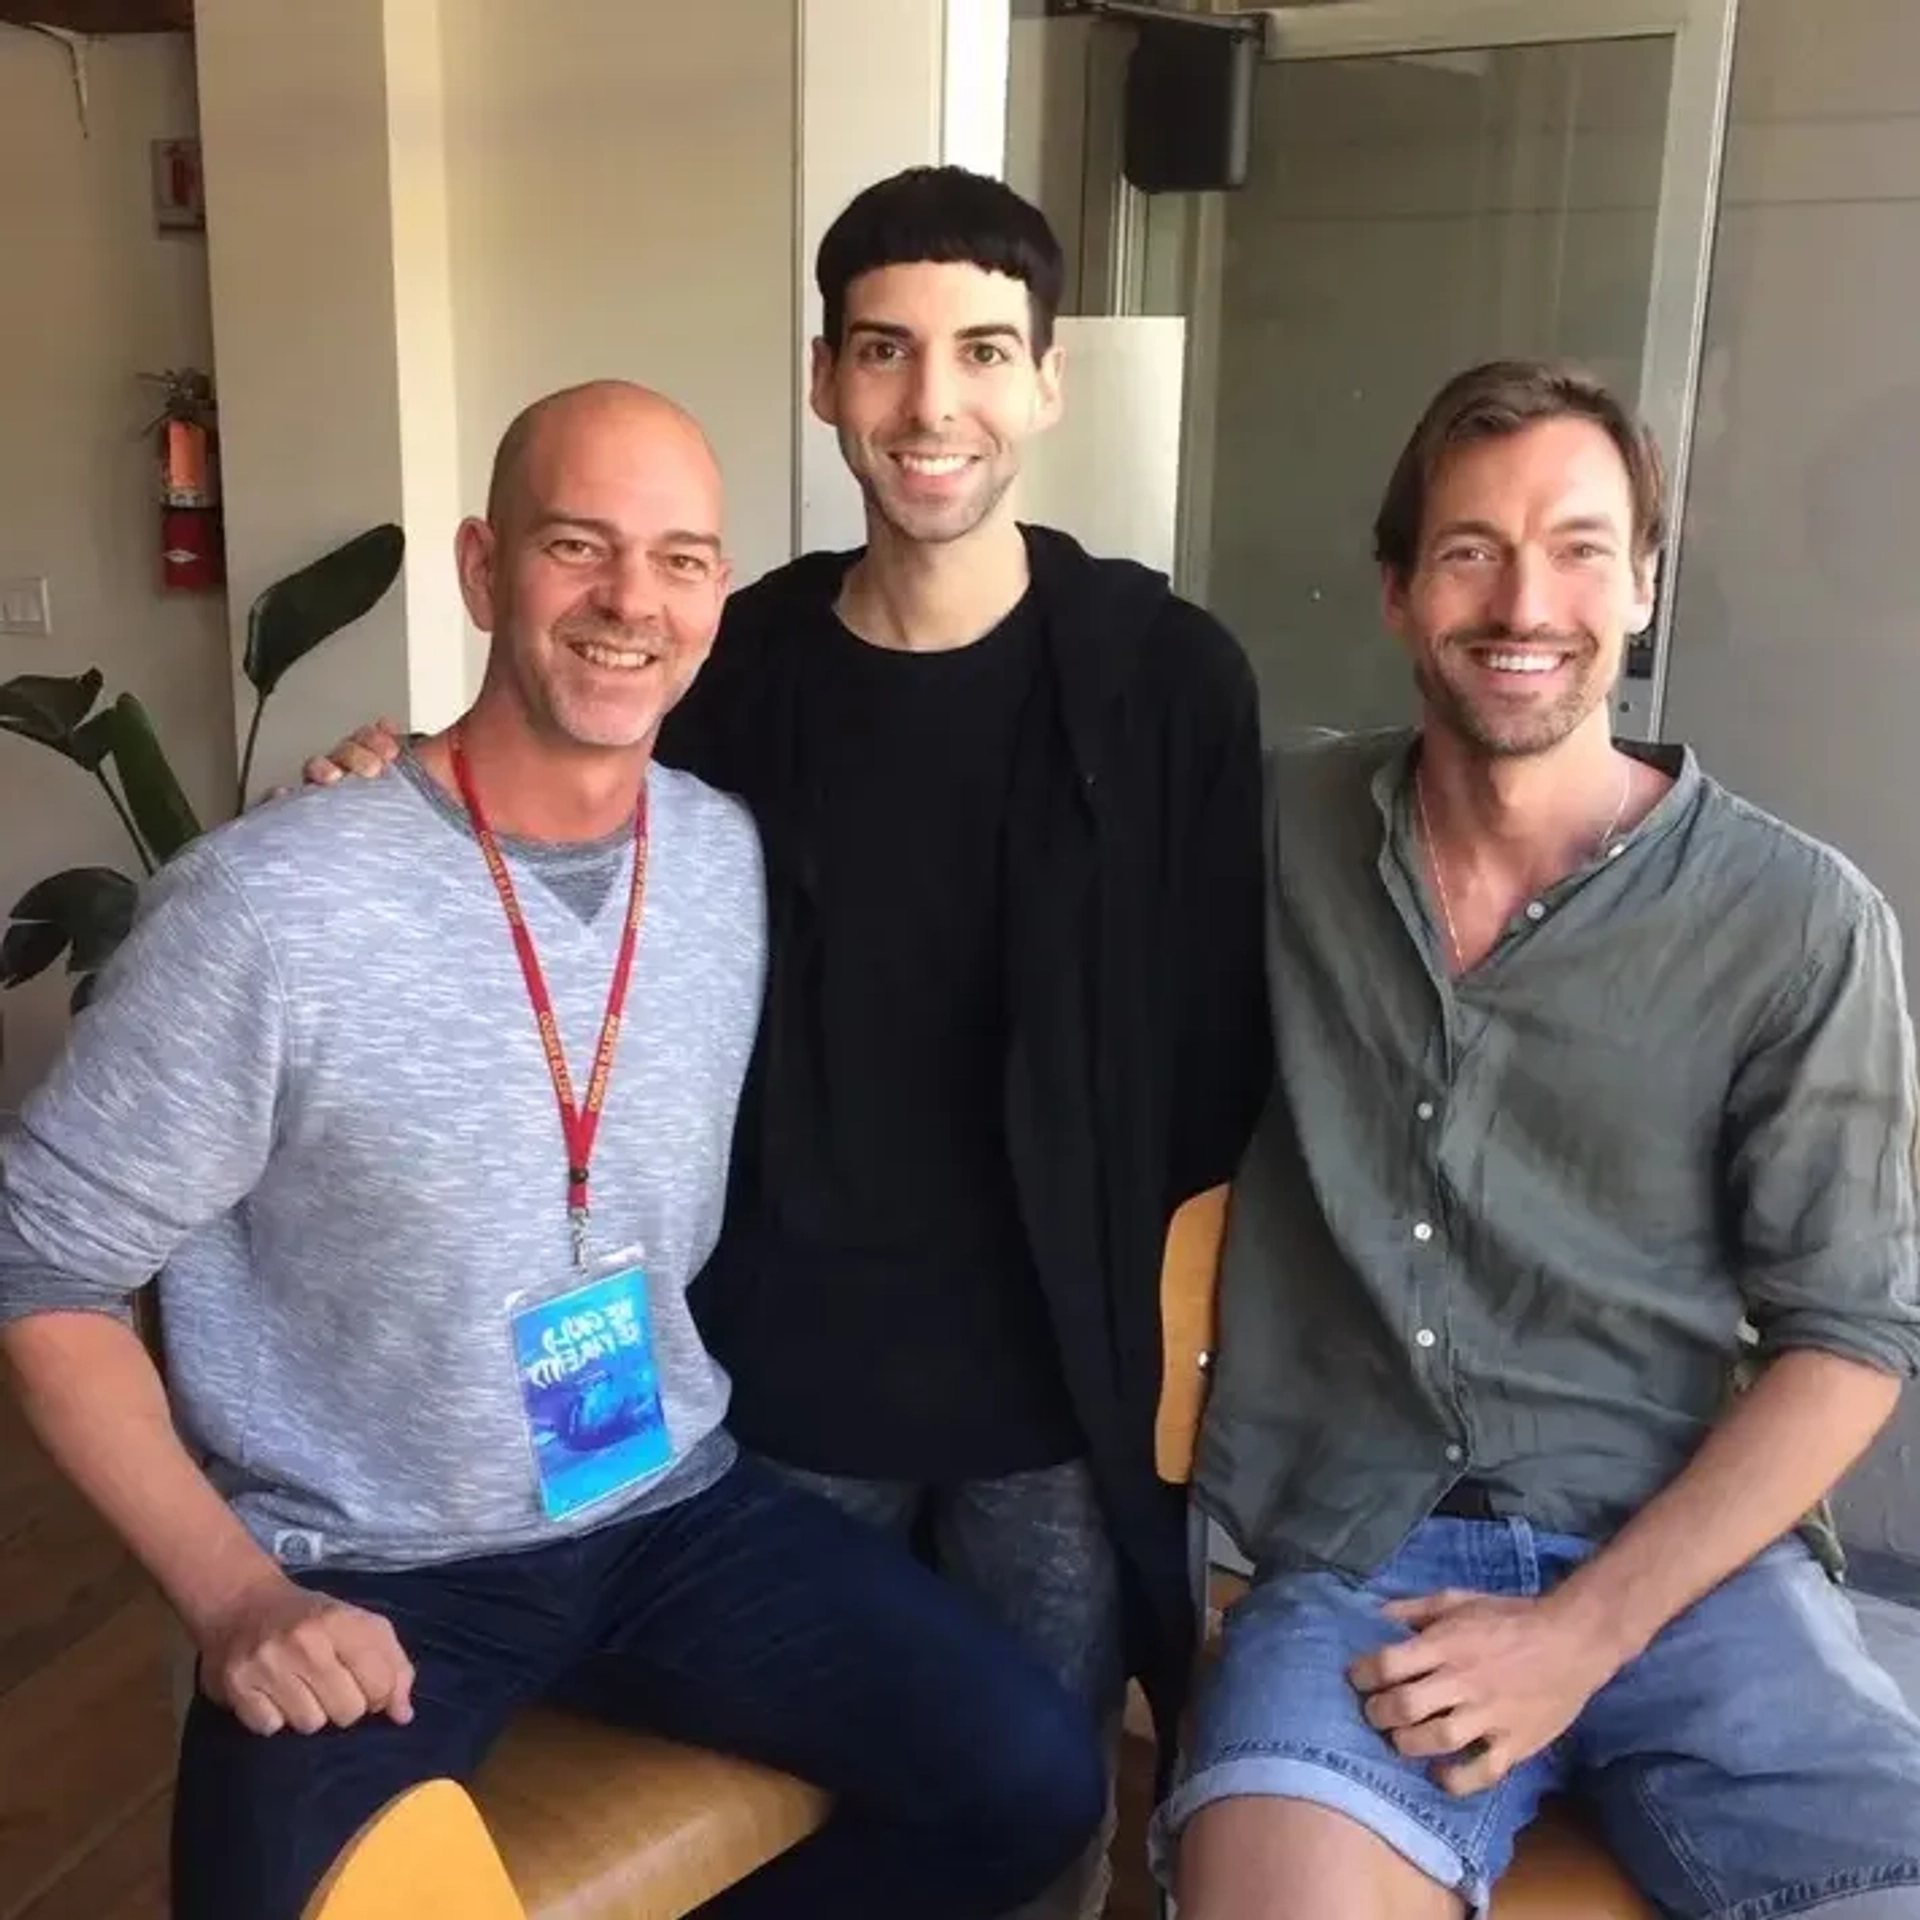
{"x":578,"y":1124}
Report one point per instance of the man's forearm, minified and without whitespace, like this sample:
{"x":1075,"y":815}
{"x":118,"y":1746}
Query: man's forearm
{"x":94,"y":1398}
{"x":1778,"y":1452}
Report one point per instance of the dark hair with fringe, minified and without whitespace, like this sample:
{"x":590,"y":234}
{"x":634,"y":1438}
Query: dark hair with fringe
{"x":941,"y":214}
{"x":1503,"y":397}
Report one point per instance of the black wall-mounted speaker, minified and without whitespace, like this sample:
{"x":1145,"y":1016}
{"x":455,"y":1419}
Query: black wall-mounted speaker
{"x":1188,"y":117}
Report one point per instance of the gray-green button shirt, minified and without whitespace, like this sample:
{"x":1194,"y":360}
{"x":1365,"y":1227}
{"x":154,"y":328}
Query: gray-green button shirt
{"x":1509,"y":1226}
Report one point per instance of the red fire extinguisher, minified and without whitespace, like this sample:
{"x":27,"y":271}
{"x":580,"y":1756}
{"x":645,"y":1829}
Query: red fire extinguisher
{"x":192,"y":541}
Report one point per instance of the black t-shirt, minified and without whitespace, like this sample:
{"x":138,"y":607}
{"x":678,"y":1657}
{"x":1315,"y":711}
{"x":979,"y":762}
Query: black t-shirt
{"x":907,"y":1320}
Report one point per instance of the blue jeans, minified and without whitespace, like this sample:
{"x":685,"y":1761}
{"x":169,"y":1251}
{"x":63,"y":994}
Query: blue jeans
{"x":752,"y":1619}
{"x":1033,"y":1548}
{"x":1754,"y":1762}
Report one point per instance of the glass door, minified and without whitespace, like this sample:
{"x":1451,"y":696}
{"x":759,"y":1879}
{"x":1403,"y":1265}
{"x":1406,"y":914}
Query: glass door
{"x":1433,"y":183}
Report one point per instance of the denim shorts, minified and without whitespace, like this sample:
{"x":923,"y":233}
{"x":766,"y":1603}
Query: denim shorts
{"x":1755,"y":1761}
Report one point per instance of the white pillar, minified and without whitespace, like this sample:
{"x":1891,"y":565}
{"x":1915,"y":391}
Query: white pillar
{"x":444,"y":656}
{"x":883,"y":84}
{"x":332,"y":339}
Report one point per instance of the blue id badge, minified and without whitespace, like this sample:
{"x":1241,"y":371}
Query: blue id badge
{"x":591,"y":1389}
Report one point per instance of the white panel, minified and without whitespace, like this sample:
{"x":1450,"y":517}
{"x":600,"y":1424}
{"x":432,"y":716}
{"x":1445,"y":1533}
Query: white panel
{"x":1109,"y":473}
{"x":444,"y":660}
{"x":974,"y":85}
{"x":884,"y":84}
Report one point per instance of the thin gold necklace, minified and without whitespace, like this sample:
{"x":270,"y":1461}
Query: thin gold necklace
{"x":1455,"y":953}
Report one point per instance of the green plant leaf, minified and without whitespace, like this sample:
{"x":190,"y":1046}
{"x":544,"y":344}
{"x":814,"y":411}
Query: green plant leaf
{"x":94,"y":741}
{"x":294,"y":615}
{"x":30,"y":947}
{"x":85,"y":909}
{"x":49,"y":709}
{"x":160,"y":809}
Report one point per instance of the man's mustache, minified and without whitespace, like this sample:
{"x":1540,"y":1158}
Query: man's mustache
{"x":599,"y":626}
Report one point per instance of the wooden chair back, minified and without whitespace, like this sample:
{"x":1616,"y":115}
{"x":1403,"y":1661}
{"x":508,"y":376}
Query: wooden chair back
{"x":426,"y":1855}
{"x":1189,"y":1285}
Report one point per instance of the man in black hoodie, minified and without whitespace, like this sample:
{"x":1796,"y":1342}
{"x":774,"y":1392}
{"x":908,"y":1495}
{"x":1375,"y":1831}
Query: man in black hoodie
{"x":1010,"y":798}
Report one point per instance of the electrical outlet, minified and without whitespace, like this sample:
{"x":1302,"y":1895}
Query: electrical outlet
{"x":24,"y":606}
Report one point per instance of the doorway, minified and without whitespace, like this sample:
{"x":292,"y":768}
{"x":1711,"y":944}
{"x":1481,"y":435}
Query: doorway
{"x":1432,"y":183}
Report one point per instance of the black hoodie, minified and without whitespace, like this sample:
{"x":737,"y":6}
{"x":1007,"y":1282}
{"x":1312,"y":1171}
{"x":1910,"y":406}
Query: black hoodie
{"x":1140,"y":1050}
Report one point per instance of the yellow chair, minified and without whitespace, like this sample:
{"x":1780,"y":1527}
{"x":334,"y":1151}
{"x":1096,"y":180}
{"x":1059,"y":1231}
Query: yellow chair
{"x":593,"y":1823}
{"x":1560,"y":1872}
{"x":425,"y":1856}
{"x":600,"y":1824}
{"x":596,"y":1823}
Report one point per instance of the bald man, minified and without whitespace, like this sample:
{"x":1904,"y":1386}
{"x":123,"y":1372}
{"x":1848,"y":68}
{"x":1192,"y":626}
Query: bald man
{"x":418,"y":1098}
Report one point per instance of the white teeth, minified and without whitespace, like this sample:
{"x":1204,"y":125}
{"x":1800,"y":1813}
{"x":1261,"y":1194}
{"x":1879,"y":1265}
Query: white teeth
{"x":616,"y":659}
{"x":932,"y":463}
{"x":1523,"y":662}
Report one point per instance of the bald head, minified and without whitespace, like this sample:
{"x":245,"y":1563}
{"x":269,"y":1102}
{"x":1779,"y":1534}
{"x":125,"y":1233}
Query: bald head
{"x":600,"y":568}
{"x":642,"y":424}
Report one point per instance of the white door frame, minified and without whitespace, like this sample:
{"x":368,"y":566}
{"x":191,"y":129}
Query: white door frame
{"x":1703,"y":35}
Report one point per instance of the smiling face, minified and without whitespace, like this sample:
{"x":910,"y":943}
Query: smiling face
{"x":1526,"y":585}
{"x":599,"y":570}
{"x":934,"y":389}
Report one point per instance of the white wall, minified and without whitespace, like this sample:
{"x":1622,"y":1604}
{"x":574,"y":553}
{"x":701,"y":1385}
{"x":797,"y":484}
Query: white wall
{"x":423,"y":214}
{"x":1796,"y":652}
{"x":319,"y":155}
{"x":441,"y":675}
{"x":427,"y":213}
{"x":94,"y":297}
{"x":621,"y":193}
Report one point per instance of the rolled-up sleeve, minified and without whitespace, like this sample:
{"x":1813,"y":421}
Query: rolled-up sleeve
{"x":1821,"y":1146}
{"x":158,"y":1115}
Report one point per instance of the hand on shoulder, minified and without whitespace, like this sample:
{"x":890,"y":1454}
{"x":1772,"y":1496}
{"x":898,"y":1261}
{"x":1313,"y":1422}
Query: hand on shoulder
{"x":366,"y":753}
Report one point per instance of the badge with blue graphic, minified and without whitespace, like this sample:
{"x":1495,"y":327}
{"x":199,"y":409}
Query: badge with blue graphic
{"x":592,"y":1392}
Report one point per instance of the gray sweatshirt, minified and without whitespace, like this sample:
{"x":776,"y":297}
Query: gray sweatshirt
{"x":312,"y":1091}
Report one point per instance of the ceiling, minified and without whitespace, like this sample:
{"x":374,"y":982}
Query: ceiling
{"x":100,"y":16}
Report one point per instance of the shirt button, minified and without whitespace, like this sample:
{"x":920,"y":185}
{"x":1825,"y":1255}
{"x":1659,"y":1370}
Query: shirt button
{"x":1424,"y":1110}
{"x":1425,"y":1337}
{"x":1455,"y":1455}
{"x":1616,"y":850}
{"x":1422,"y":1232}
{"x":1535,"y":911}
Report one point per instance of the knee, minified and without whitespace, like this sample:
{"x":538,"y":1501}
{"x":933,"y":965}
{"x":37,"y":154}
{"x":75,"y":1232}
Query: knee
{"x":1046,"y":1791}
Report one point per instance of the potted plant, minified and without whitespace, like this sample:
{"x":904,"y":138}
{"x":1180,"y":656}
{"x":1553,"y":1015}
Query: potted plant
{"x":83,"y":913}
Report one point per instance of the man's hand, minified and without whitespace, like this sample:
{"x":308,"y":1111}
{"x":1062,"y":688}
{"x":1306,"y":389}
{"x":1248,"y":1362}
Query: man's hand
{"x":284,"y":1657}
{"x":367,"y":751}
{"x":1483,"y":1684}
